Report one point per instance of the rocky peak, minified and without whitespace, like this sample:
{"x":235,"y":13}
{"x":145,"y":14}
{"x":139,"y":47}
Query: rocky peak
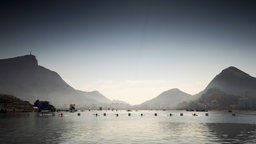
{"x":233,"y":72}
{"x":27,"y":61}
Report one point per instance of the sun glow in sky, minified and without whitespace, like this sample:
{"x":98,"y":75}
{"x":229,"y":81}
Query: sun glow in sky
{"x":132,"y":50}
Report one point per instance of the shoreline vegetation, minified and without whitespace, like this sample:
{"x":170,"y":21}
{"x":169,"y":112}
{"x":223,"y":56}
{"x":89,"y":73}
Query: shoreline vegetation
{"x":9,"y":103}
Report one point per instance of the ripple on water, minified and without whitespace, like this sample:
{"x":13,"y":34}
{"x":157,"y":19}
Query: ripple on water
{"x":218,"y":127}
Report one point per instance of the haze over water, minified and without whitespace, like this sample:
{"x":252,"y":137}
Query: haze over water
{"x":218,"y":127}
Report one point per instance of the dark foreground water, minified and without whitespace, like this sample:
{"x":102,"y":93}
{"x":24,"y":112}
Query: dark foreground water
{"x":218,"y":127}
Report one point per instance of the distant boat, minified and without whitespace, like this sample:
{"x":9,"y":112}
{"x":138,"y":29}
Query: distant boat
{"x":72,"y":108}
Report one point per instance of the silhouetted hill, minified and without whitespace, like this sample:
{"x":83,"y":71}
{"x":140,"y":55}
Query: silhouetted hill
{"x":166,"y":100}
{"x":24,"y":78}
{"x":11,"y":103}
{"x":234,"y":81}
{"x":232,"y":88}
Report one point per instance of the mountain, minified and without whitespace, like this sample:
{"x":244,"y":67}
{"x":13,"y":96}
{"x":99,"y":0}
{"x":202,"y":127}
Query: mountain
{"x":234,"y":81}
{"x":117,"y":104}
{"x":166,"y":100}
{"x":232,"y":88}
{"x":24,"y":78}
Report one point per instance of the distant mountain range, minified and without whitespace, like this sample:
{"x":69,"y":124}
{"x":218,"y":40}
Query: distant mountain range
{"x":25,"y":79}
{"x":231,"y":89}
{"x":166,"y":100}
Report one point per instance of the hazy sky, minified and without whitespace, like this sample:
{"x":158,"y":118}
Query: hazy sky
{"x":132,"y":50}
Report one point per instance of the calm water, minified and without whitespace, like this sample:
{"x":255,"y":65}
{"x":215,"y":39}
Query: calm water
{"x":218,"y":127}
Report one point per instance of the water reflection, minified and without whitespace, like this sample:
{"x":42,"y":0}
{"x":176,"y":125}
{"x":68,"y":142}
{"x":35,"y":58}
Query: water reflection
{"x":233,"y":133}
{"x":185,"y":132}
{"x":24,"y":128}
{"x":87,"y":128}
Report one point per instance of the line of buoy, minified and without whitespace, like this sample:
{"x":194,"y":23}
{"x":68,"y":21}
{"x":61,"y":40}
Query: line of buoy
{"x":129,"y":114}
{"x":155,"y":114}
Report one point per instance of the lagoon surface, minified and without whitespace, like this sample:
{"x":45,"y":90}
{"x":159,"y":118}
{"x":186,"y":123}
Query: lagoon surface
{"x":218,"y":127}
